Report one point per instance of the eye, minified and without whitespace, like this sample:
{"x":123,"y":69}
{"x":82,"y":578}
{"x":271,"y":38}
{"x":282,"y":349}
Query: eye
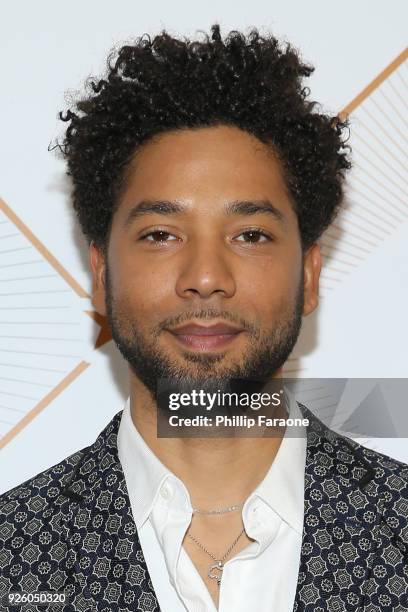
{"x":254,"y":236}
{"x":157,"y":236}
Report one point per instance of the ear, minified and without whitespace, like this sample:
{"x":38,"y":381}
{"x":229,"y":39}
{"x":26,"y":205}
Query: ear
{"x":97,"y":263}
{"x":312,"y":264}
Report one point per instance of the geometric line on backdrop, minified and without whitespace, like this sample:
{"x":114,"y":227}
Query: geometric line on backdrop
{"x":375,"y":203}
{"x":29,"y":416}
{"x":42,"y":327}
{"x":375,"y":83}
{"x":18,"y":223}
{"x":375,"y":196}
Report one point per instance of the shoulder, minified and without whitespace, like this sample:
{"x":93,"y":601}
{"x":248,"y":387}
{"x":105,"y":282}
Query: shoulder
{"x":44,"y":491}
{"x":389,"y":484}
{"x":384,"y":478}
{"x":31,"y":534}
{"x":387,"y":471}
{"x":386,"y":487}
{"x":38,"y":496}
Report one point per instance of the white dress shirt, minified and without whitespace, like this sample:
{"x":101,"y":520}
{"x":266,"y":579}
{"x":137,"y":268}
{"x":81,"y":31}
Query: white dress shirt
{"x":263,"y":576}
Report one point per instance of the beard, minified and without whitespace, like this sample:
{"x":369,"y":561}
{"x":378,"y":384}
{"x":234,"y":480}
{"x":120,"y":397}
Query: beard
{"x":267,"y":349}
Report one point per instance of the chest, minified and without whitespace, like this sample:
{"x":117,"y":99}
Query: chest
{"x":209,"y":568}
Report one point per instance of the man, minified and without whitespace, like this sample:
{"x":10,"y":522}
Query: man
{"x":203,"y":177}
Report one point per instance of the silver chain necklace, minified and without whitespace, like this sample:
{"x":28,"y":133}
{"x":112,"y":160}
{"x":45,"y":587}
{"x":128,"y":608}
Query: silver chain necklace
{"x":218,"y":510}
{"x":218,"y":566}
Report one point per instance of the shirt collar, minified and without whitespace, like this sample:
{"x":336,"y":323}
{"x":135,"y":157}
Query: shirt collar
{"x":283,"y":487}
{"x":144,"y":473}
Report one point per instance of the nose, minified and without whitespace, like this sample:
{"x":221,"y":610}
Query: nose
{"x":206,"y":271}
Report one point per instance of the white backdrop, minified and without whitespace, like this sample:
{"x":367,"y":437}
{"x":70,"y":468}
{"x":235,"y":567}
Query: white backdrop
{"x":57,"y":391}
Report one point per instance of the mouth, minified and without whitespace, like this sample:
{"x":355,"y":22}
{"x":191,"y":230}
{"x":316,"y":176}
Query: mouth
{"x":205,"y":338}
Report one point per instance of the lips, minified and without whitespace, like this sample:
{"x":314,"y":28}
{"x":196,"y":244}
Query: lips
{"x":206,"y":330}
{"x":206,"y":337}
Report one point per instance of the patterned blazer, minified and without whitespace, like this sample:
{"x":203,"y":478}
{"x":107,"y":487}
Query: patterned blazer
{"x":71,"y":529}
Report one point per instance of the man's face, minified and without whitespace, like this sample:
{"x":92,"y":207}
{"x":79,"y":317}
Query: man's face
{"x":205,"y":234}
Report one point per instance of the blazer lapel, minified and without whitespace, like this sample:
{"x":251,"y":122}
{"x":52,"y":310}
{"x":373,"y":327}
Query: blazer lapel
{"x":341,"y":520}
{"x":105,"y":561}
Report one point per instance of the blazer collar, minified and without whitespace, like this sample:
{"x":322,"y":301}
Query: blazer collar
{"x":105,"y":558}
{"x":341,"y":519}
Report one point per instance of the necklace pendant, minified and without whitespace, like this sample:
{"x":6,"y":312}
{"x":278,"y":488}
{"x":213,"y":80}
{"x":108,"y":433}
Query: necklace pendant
{"x":215,"y":571}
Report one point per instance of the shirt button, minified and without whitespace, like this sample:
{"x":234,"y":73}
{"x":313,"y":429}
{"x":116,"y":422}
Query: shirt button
{"x":165,"y":491}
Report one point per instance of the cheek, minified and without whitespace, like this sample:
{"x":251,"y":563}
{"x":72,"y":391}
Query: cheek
{"x":272,"y":284}
{"x":140,"y":288}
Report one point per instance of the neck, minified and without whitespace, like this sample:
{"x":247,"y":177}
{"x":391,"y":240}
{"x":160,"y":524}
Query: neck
{"x":217,"y":472}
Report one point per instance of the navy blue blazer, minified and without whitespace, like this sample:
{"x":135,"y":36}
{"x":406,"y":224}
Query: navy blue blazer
{"x":71,"y":529}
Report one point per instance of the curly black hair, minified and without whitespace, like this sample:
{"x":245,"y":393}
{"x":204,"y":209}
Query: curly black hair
{"x":165,"y":83}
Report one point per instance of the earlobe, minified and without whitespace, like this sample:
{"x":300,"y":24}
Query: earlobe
{"x":97,"y":264}
{"x":312,"y":264}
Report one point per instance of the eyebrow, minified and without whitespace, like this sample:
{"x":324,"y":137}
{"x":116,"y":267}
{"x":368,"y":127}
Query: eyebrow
{"x":239,"y":207}
{"x":245,"y":207}
{"x":158,"y":207}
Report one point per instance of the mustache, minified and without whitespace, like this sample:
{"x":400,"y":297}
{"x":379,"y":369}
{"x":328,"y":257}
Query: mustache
{"x":209,"y":313}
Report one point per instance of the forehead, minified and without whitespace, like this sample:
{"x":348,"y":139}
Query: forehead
{"x":205,"y":167}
